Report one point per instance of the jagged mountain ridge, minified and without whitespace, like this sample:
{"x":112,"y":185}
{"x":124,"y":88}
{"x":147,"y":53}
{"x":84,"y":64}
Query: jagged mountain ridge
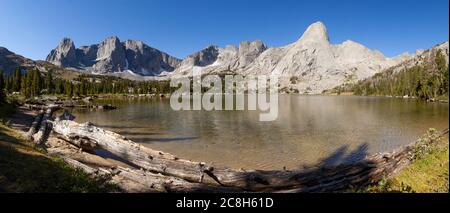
{"x":214,"y":59}
{"x":309,"y":65}
{"x":316,"y":64}
{"x":111,"y":56}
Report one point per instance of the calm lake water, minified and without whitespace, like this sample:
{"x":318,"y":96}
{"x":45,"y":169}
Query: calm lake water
{"x":309,"y":129}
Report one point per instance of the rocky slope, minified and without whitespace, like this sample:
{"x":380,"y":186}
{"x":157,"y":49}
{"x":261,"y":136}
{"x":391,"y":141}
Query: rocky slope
{"x":220,"y":60}
{"x":113,"y":56}
{"x":424,"y":76}
{"x":309,"y":65}
{"x":424,"y":56}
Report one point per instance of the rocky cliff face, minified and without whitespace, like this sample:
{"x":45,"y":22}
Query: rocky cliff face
{"x":111,"y":56}
{"x":144,"y":60}
{"x":249,"y":51}
{"x":309,"y":65}
{"x":202,"y":58}
{"x":313,"y":62}
{"x":221,"y":60}
{"x":64,"y":55}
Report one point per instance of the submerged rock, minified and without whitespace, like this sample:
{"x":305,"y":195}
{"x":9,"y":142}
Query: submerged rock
{"x":65,"y":116}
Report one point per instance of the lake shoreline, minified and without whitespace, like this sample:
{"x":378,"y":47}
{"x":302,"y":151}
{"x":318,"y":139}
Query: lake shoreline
{"x":446,"y":101}
{"x":285,"y":191}
{"x":335,"y":123}
{"x":102,"y":160}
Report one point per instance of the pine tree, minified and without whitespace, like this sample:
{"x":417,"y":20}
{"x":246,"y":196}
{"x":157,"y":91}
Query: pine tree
{"x":49,"y":82}
{"x":17,"y":80}
{"x":24,"y":88}
{"x":2,"y":87}
{"x":68,"y":88}
{"x":59,"y":87}
{"x":36,"y":88}
{"x":7,"y":84}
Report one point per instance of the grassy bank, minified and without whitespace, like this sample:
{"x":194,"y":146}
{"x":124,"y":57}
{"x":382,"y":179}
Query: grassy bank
{"x":24,"y":168}
{"x":428,"y":172}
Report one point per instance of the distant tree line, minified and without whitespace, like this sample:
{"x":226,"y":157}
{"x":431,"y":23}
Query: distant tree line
{"x":34,"y":83}
{"x":426,"y":81}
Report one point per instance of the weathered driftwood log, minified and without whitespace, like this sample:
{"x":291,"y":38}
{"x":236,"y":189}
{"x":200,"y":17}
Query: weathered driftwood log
{"x":134,"y":153}
{"x":129,"y":179}
{"x":82,"y":142}
{"x":36,"y":106}
{"x":342,"y":177}
{"x":148,"y":182}
{"x":35,"y":125}
{"x":137,"y":180}
{"x":316,"y":179}
{"x":166,"y":183}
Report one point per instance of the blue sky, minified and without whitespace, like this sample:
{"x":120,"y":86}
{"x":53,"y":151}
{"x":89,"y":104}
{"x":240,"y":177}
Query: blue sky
{"x":32,"y":28}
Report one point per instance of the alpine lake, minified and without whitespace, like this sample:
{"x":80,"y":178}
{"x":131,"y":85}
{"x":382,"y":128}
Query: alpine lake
{"x":309,"y":130}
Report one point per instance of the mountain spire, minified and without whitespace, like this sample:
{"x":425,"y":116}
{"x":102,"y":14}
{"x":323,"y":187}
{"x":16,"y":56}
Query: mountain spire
{"x":316,"y":32}
{"x":64,"y":54}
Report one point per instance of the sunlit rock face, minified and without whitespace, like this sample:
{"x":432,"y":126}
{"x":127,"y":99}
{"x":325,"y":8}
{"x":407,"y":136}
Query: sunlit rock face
{"x":111,"y":56}
{"x":316,"y":64}
{"x":64,"y":54}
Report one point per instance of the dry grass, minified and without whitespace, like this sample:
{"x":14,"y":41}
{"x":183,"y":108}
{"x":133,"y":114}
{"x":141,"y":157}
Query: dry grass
{"x":427,"y":174}
{"x":25,"y":168}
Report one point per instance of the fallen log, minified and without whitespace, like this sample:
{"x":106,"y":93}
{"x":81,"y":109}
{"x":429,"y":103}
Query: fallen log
{"x":35,"y":106}
{"x":41,"y":135}
{"x":35,"y":125}
{"x":168,"y":183}
{"x":130,"y":179}
{"x":371,"y":169}
{"x":136,"y":154}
